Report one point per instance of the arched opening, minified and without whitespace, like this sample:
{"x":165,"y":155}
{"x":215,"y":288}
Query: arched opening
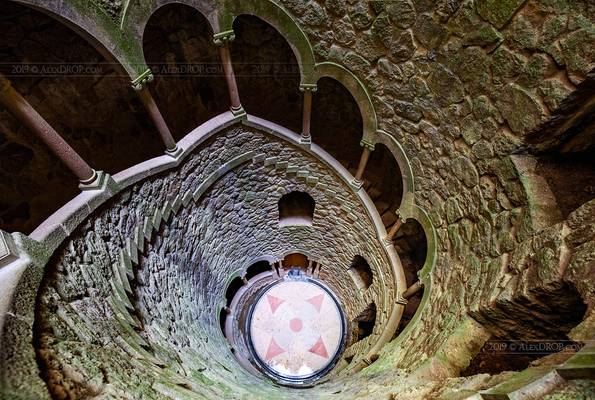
{"x":189,"y":84}
{"x":361,"y":273}
{"x":81,"y":95}
{"x":337,"y":123}
{"x":363,"y":324}
{"x":411,"y":245}
{"x":267,"y":72}
{"x":296,"y":209}
{"x":257,"y":268}
{"x":384,"y":184}
{"x":233,"y":288}
{"x":295,"y":260}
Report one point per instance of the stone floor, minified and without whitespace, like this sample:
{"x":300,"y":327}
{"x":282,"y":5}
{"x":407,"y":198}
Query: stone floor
{"x":296,"y":329}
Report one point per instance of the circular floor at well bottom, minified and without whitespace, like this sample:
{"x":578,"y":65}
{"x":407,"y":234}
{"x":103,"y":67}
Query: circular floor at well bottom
{"x":296,"y":330}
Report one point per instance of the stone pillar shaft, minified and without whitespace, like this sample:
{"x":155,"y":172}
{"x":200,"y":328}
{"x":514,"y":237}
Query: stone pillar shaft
{"x":26,"y":114}
{"x":413,"y":289}
{"x":232,"y":85}
{"x":393,"y":230}
{"x":151,"y":107}
{"x":307,"y":116}
{"x":362,"y":165}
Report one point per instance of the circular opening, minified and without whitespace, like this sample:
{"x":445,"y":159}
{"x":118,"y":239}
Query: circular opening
{"x":296,"y":330}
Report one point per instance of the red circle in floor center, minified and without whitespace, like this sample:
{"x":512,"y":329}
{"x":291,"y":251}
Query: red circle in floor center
{"x":295,"y":324}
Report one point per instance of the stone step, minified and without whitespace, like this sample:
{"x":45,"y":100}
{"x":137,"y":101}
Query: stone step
{"x":579,"y":366}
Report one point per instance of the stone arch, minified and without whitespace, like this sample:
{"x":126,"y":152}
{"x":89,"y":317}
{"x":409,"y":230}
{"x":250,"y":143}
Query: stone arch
{"x":407,"y":200}
{"x":178,"y":48}
{"x":357,"y":90}
{"x":422,"y":217}
{"x":361,"y":272}
{"x":276,"y":16}
{"x":92,"y":27}
{"x":135,"y":19}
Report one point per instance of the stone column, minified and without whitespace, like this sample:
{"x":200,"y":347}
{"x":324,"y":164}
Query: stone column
{"x":307,"y":89}
{"x":413,"y":289}
{"x":26,"y":114}
{"x":394,"y":229}
{"x":368,"y":148}
{"x":222,"y":40}
{"x":140,"y":85}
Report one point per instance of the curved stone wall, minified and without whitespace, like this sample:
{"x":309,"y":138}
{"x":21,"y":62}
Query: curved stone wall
{"x":456,"y":86}
{"x":163,"y":309}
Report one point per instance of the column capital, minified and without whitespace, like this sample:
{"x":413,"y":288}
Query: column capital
{"x":308,"y":87}
{"x":367,"y":144}
{"x":223,"y":38}
{"x":140,"y":82}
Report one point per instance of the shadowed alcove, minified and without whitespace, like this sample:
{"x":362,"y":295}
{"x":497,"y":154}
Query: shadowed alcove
{"x":267,"y":72}
{"x":189,"y":82}
{"x":84,"y":97}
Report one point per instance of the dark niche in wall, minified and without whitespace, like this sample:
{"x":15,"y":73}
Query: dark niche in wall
{"x":233,"y":288}
{"x":257,"y":268}
{"x":361,"y":273}
{"x":363,"y":324}
{"x":384,"y":184}
{"x":296,"y":208}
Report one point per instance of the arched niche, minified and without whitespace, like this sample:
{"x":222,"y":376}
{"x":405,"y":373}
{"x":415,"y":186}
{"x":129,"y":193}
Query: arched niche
{"x":267,"y":72}
{"x":84,"y":96}
{"x":189,"y":84}
{"x":296,"y":209}
{"x":337,"y":123}
{"x":361,"y":273}
{"x":295,"y":260}
{"x":411,"y":244}
{"x":94,"y":25}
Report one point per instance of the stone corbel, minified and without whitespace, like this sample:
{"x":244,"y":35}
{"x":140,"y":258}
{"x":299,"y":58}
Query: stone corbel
{"x":224,"y":38}
{"x":142,"y":80}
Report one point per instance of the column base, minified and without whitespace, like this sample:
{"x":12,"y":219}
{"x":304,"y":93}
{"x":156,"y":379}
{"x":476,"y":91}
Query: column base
{"x":95,"y":182}
{"x":306,"y":140}
{"x":175,"y":152}
{"x":102,"y":181}
{"x":387,"y":241}
{"x":401,"y":300}
{"x":238,"y":112}
{"x":357,"y":185}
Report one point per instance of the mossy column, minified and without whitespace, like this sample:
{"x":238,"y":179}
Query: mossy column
{"x":140,"y":85}
{"x":222,"y":40}
{"x":26,"y":114}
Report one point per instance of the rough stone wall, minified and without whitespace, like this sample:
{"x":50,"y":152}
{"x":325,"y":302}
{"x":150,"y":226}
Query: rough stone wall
{"x":182,"y":274}
{"x":459,"y":84}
